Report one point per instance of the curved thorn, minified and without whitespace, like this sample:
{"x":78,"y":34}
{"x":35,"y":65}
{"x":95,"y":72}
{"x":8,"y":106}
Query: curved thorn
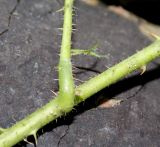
{"x":143,"y":69}
{"x":54,"y":92}
{"x":25,"y":140}
{"x":60,"y":10}
{"x":154,"y":36}
{"x":35,"y":137}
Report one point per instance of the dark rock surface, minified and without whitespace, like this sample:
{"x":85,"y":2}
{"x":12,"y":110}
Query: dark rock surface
{"x":29,"y":54}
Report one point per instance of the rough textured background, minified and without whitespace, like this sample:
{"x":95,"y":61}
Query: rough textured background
{"x":29,"y":47}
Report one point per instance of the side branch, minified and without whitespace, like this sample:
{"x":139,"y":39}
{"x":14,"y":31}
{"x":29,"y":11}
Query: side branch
{"x":52,"y":110}
{"x":118,"y":71}
{"x":66,"y":83}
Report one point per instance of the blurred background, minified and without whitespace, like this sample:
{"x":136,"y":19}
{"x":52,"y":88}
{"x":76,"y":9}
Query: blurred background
{"x":148,"y":9}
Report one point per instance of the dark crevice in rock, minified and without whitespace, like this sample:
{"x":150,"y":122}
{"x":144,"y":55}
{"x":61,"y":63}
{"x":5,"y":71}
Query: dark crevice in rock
{"x":65,"y":133}
{"x":11,"y":13}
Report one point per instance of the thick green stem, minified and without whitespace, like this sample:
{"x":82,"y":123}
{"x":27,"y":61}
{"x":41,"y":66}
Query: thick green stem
{"x":53,"y":109}
{"x":31,"y":124}
{"x":66,"y":83}
{"x":119,"y":71}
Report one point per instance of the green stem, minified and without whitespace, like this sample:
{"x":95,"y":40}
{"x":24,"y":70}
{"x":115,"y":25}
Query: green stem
{"x":53,"y":110}
{"x":66,"y":83}
{"x":60,"y":105}
{"x":119,"y":71}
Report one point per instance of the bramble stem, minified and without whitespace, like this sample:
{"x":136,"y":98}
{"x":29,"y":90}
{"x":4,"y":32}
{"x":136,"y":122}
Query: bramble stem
{"x":118,"y":71}
{"x":52,"y":111}
{"x":66,"y":83}
{"x":68,"y":96}
{"x":57,"y":107}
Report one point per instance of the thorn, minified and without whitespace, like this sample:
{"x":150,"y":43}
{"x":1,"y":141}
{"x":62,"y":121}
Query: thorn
{"x":73,"y":109}
{"x":74,"y":74}
{"x":14,"y":118}
{"x":60,"y":29}
{"x":73,"y":31}
{"x":56,"y":79}
{"x":74,"y":15}
{"x":74,"y":67}
{"x":60,"y":10}
{"x":35,"y":138}
{"x":143,"y":69}
{"x":42,"y":131}
{"x":107,"y":66}
{"x":28,"y":142}
{"x":75,"y":8}
{"x":54,"y":92}
{"x":154,"y":35}
{"x":78,"y":80}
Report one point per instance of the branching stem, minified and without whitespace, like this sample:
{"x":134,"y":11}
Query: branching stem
{"x":52,"y":111}
{"x":119,"y":71}
{"x":68,"y":95}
